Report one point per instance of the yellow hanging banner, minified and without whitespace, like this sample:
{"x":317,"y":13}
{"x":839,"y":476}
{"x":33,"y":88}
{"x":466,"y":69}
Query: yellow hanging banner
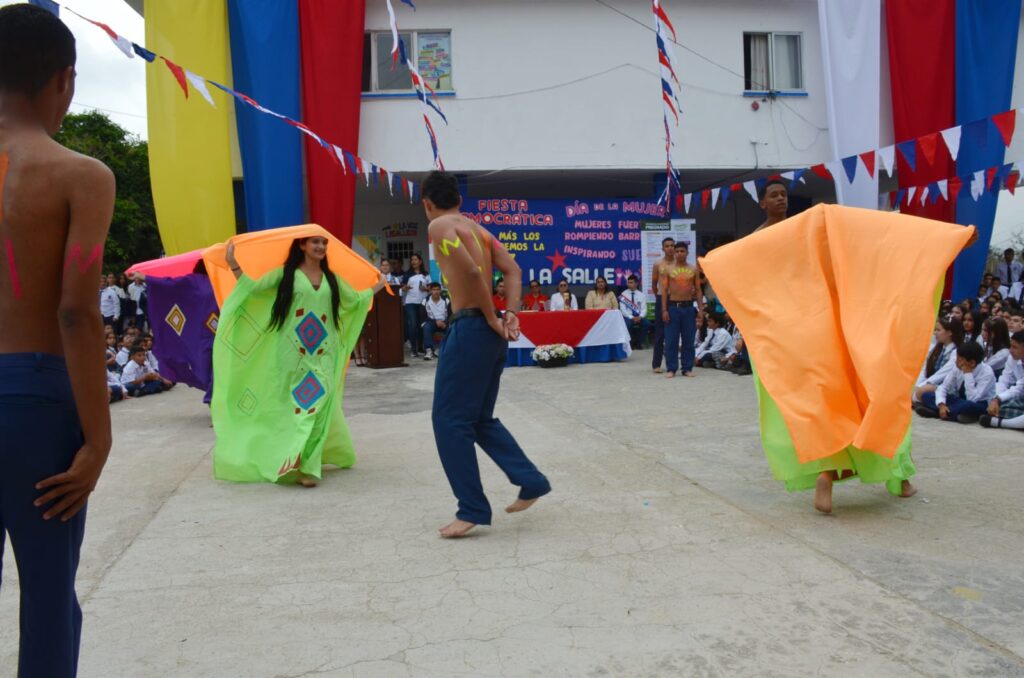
{"x":190,"y":140}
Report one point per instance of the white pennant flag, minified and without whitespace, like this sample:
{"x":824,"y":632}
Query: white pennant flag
{"x":924,"y":194}
{"x":911,"y":192}
{"x":944,"y":189}
{"x":125,"y":45}
{"x":887,"y":156}
{"x":199,"y":84}
{"x":751,"y":189}
{"x":952,"y":138}
{"x":391,"y":183}
{"x":341,"y":158}
{"x":714,"y":196}
{"x":788,"y":176}
{"x":687,"y":198}
{"x":977,"y":185}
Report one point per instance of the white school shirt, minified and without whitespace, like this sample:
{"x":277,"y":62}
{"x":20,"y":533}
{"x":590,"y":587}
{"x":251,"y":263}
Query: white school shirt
{"x":1011,"y":383}
{"x":948,"y":361}
{"x":414,"y":295}
{"x":557,"y":303}
{"x":113,"y":378}
{"x":717,"y":341}
{"x":979,"y":385}
{"x":133,"y":371}
{"x":1009,"y":273}
{"x":110,"y":302}
{"x":997,"y":360}
{"x":151,"y":362}
{"x":436,"y":310}
{"x":122,"y":357}
{"x":135,"y":292}
{"x":633,"y":303}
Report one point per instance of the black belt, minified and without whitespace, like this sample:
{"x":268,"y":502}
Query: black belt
{"x":681,"y":304}
{"x":469,"y":313}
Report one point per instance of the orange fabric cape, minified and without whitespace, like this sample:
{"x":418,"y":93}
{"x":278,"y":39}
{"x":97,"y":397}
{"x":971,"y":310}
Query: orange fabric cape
{"x":262,"y":251}
{"x":836,"y":306}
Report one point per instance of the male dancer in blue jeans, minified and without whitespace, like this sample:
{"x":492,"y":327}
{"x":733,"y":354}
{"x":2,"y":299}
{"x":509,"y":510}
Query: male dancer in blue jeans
{"x":55,"y":208}
{"x":680,"y":288}
{"x":472,"y":358}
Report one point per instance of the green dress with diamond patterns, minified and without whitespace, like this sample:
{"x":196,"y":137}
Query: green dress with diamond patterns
{"x":278,"y":392}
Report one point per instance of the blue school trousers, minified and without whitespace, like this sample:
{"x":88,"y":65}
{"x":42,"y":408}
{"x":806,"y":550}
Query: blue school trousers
{"x":682,"y":324}
{"x":956,"y":405}
{"x":471,"y":360}
{"x":39,"y":437}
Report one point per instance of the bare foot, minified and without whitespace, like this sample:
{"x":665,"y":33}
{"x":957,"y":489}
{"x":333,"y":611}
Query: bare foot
{"x":689,"y":374}
{"x":823,"y":492}
{"x":456,"y":528}
{"x":520,"y":505}
{"x":670,"y":375}
{"x":908,"y":490}
{"x":658,"y":370}
{"x":307,"y":481}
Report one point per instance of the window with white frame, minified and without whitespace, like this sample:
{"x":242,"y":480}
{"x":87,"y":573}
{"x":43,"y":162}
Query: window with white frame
{"x":431,"y":50}
{"x":773,"y":62}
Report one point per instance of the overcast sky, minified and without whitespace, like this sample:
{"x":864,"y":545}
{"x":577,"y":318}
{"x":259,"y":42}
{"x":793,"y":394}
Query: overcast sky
{"x":116,"y":85}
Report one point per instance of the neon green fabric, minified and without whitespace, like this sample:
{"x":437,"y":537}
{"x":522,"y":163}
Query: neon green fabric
{"x":278,"y":393}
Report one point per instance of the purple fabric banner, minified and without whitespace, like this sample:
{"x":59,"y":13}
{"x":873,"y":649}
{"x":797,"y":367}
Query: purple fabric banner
{"x":183,"y":313}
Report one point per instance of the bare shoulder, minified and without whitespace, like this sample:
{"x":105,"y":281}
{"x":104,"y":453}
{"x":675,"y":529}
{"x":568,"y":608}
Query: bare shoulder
{"x":69,"y":169}
{"x":444,"y":225}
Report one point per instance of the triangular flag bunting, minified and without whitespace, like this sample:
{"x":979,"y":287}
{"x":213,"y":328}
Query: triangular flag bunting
{"x":868,"y":158}
{"x":952,"y":138}
{"x":909,"y":151}
{"x":144,"y":53}
{"x":1011,"y":182}
{"x":955,"y":184}
{"x":199,"y":83}
{"x":751,"y":189}
{"x":910,"y":194}
{"x":679,"y":202}
{"x":900,"y":194}
{"x":788,"y":176}
{"x":821,"y":171}
{"x":798,"y":176}
{"x":179,"y":74}
{"x":944,"y":188}
{"x":923,"y":194}
{"x":726,"y":192}
{"x":887,"y":156}
{"x":687,"y":198}
{"x":990,"y":174}
{"x":929,"y":143}
{"x":705,"y":195}
{"x":933,"y":193}
{"x":340,"y":155}
{"x":977,"y":185}
{"x":714,"y":197}
{"x":850,"y":167}
{"x":1005,"y":122}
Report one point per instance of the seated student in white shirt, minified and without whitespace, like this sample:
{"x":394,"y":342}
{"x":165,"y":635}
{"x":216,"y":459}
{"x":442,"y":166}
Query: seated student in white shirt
{"x":147,"y":343}
{"x":995,"y":335}
{"x":115,"y":391}
{"x":124,"y":352}
{"x":966,"y":392}
{"x":717,"y":345}
{"x":941,"y":357}
{"x":137,"y":377}
{"x":1008,"y":403}
{"x":438,"y":310}
{"x":558,"y":299}
{"x":633,"y":306}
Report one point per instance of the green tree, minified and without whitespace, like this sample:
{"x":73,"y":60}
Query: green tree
{"x":133,"y":233}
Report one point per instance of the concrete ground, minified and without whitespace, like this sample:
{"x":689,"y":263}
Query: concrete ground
{"x":666,"y":548}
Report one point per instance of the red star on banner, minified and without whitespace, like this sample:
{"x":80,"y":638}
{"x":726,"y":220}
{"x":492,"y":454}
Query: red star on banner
{"x":557,"y":261}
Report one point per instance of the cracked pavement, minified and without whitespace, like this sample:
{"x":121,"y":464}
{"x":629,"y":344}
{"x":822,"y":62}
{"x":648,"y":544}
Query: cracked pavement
{"x":666,"y":549}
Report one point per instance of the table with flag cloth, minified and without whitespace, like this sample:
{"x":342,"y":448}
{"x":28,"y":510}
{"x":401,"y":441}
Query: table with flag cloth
{"x":595,"y":336}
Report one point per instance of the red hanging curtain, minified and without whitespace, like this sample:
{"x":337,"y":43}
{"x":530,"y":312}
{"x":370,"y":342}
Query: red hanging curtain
{"x":922,"y":69}
{"x":332,"y":67}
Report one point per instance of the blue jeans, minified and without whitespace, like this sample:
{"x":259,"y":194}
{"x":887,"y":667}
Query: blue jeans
{"x":957,"y":406}
{"x":466,"y":384}
{"x":659,"y":335}
{"x":39,"y":437}
{"x":637,"y":331}
{"x":682,"y":325}
{"x":429,"y":328}
{"x":145,"y":388}
{"x":413,"y":314}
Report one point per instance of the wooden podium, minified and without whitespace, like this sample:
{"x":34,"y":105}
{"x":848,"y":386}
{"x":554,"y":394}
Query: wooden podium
{"x":384,"y":332}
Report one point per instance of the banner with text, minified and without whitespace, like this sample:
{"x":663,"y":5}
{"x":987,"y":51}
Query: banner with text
{"x":578,"y":241}
{"x":653,"y":233}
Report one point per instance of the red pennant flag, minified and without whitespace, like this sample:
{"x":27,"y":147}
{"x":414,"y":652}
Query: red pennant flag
{"x":928,"y":144}
{"x":892,"y":199}
{"x":736,"y":188}
{"x":705,"y":196}
{"x":679,"y":203}
{"x":405,"y":189}
{"x":822,"y":171}
{"x":1011,"y":182}
{"x":954,"y":188}
{"x":990,"y":174}
{"x":1005,"y":122}
{"x":179,"y":74}
{"x":359,"y":164}
{"x":868,"y":158}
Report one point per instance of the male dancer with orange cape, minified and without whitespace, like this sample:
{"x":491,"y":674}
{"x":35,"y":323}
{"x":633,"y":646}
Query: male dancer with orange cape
{"x":837,"y":323}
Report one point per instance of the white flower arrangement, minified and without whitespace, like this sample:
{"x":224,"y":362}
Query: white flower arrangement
{"x":547,"y":352}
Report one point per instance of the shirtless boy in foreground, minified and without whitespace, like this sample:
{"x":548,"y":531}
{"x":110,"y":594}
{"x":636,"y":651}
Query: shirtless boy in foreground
{"x":55,"y":208}
{"x":472,"y":358}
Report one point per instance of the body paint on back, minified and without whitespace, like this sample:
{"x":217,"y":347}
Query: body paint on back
{"x":12,"y":269}
{"x":75,"y":257}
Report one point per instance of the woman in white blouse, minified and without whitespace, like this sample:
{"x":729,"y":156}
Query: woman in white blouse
{"x":942,"y":356}
{"x":996,"y":335}
{"x":563,"y":299}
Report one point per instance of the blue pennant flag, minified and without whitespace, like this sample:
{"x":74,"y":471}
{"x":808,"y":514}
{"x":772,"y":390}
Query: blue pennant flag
{"x":900,"y":194}
{"x":909,"y":151}
{"x":796,"y":178}
{"x":724,"y":195}
{"x":933,"y":193}
{"x":51,"y":7}
{"x":409,"y":2}
{"x":850,"y":165}
{"x":144,"y":53}
{"x":974,"y":134}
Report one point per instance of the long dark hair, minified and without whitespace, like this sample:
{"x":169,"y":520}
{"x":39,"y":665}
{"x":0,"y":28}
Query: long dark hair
{"x":998,"y":335}
{"x":286,"y":288}
{"x":952,"y":325}
{"x":419,"y":270}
